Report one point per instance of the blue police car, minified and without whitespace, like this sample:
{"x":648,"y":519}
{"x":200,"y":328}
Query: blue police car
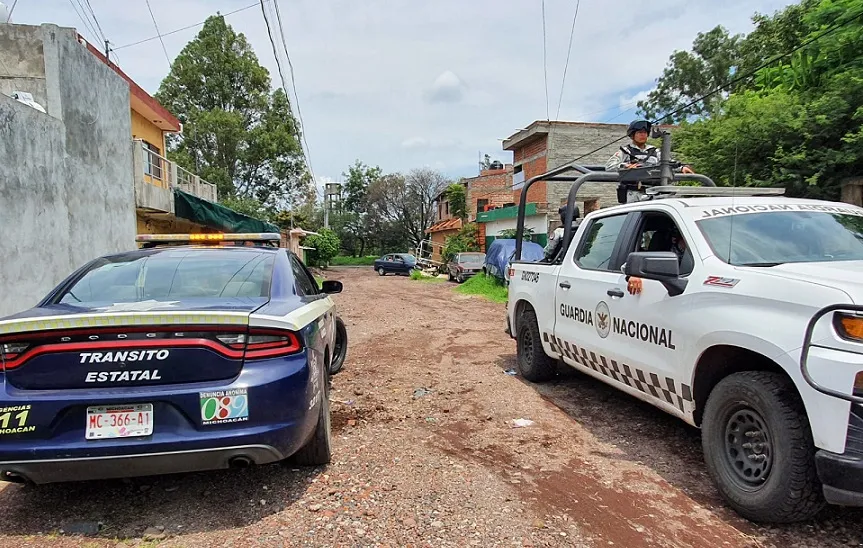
{"x":194,"y":352}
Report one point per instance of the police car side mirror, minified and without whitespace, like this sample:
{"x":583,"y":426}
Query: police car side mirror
{"x":331,"y":286}
{"x":662,"y":266}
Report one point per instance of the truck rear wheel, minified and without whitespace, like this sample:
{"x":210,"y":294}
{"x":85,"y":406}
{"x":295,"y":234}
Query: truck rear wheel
{"x":533,"y":363}
{"x":759,"y":450}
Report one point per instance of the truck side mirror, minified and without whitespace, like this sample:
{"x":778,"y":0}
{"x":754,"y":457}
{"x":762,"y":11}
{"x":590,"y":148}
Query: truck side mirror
{"x":662,"y":266}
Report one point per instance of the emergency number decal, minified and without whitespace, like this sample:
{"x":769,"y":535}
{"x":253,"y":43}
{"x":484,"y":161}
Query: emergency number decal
{"x":13,"y":420}
{"x":719,"y":281}
{"x":224,"y":406}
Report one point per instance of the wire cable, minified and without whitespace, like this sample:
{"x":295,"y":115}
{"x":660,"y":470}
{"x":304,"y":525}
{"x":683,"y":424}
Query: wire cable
{"x":294,"y":87}
{"x":175,"y":31}
{"x":156,"y":26}
{"x":87,"y":26}
{"x":568,"y":53}
{"x":545,"y":63}
{"x":98,"y":26}
{"x":282,"y":78}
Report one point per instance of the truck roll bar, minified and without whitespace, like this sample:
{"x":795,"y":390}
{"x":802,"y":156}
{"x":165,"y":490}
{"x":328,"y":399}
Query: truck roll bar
{"x":807,"y":345}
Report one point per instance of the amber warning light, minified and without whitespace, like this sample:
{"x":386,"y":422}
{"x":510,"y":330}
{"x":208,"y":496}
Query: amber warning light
{"x":256,"y":237}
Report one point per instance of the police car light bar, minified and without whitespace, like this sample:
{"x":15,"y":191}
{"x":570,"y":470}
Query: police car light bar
{"x":244,"y":237}
{"x":715,"y":191}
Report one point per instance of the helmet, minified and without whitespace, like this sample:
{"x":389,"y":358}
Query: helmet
{"x":638,"y":125}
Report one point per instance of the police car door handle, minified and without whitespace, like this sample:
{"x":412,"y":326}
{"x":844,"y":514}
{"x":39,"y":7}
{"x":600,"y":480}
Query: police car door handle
{"x":616,"y":292}
{"x":565,"y":285}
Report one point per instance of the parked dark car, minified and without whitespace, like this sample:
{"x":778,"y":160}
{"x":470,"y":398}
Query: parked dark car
{"x":464,"y":265}
{"x":395,"y":263}
{"x":500,"y":253}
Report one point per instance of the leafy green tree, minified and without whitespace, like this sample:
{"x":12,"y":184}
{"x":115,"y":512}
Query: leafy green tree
{"x":464,"y":241}
{"x":236,"y":132}
{"x":800,"y":125}
{"x":326,"y":246}
{"x":511,"y":233}
{"x":456,"y":195}
{"x":356,"y":186}
{"x":247,"y":206}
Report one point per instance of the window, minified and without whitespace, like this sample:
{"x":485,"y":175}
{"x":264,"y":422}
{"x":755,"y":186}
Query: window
{"x":597,"y":247}
{"x":152,"y":161}
{"x":481,"y":205}
{"x":659,"y":232}
{"x":304,"y":283}
{"x":775,"y":237}
{"x":174,"y":275}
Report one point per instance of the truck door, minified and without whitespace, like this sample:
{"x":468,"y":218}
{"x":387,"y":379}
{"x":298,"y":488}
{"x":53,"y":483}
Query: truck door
{"x":588,"y":288}
{"x":649,"y":330}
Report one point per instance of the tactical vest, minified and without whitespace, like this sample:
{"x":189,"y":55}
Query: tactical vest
{"x":648,"y":156}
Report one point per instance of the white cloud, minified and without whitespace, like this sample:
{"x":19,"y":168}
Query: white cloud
{"x":407,"y":84}
{"x":447,"y":88}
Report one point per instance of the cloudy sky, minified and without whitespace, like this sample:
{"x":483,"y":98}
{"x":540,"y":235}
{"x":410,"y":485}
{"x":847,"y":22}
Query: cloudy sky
{"x":405,"y":84}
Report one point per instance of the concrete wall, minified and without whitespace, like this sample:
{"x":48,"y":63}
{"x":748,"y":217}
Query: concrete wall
{"x":66,"y":190}
{"x":570,"y":140}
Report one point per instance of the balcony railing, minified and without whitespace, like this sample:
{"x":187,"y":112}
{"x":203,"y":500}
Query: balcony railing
{"x":156,"y":177}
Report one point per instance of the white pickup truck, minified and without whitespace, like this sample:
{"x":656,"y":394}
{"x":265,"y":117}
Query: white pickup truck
{"x":747,"y":324}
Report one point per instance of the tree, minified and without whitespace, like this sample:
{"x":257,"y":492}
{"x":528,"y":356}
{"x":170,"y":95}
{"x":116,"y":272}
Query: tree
{"x":247,"y":206}
{"x":236,"y":132}
{"x":715,"y":59}
{"x":462,"y":242}
{"x":800,"y":124}
{"x":326,"y":246}
{"x":456,"y":195}
{"x":357,"y":181}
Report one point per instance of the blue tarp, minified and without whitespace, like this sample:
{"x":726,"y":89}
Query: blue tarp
{"x":500,"y":253}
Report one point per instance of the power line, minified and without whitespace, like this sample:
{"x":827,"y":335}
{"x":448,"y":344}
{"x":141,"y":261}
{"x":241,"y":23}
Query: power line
{"x":87,"y":26}
{"x":545,"y":63}
{"x":736,"y":79}
{"x":568,"y":53}
{"x":158,"y":37}
{"x":156,"y":26}
{"x":284,"y":83}
{"x":93,"y":13}
{"x":294,"y":87}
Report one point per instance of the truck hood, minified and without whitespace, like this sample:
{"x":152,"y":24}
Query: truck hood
{"x":844,"y":275}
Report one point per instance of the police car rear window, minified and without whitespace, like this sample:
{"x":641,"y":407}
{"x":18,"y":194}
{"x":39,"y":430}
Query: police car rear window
{"x":174,"y":275}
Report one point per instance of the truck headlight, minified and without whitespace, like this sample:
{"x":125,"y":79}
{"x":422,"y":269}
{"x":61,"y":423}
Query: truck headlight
{"x":849,"y":326}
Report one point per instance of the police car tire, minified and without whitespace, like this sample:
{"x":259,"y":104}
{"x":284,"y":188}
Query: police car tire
{"x":341,"y":347}
{"x":318,"y":450}
{"x":792,"y":491}
{"x":532,"y":362}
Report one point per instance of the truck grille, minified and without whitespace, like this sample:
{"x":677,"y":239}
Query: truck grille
{"x":854,"y":444}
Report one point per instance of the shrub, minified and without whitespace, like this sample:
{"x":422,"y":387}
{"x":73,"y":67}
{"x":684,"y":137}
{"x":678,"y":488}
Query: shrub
{"x":326,"y":246}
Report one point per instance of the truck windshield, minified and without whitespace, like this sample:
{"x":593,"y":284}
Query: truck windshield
{"x":776,"y":237}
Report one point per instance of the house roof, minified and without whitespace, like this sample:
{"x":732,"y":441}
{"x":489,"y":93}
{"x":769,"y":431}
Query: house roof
{"x":448,"y":224}
{"x":141,"y":102}
{"x":541,"y":128}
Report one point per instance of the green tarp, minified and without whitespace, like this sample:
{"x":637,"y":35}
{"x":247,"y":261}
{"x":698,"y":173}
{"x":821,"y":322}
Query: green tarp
{"x":188,"y":206}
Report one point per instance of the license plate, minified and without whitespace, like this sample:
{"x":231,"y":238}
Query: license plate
{"x":119,"y":421}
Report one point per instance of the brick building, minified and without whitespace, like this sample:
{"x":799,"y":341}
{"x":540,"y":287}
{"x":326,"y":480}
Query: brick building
{"x":445,"y":224}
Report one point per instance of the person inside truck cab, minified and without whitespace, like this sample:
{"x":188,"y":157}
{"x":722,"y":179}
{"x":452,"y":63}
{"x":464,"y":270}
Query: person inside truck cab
{"x":669,"y":239}
{"x":638,"y":153}
{"x":555,"y":240}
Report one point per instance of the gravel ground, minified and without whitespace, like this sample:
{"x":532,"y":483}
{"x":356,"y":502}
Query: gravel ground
{"x":427,"y":454}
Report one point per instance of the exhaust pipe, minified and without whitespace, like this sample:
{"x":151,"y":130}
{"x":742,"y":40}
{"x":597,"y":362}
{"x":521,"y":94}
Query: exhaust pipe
{"x":15,"y":477}
{"x":239,"y":462}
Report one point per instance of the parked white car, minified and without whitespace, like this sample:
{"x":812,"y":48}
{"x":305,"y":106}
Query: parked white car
{"x":717,"y":334}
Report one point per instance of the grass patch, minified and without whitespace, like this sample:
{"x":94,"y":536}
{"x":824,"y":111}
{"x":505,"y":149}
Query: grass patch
{"x":418,"y":275}
{"x":485,"y":286}
{"x":353,"y":261}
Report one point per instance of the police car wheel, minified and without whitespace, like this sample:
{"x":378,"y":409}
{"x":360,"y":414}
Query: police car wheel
{"x":318,"y":450}
{"x":340,"y":349}
{"x":533,"y":364}
{"x":759,"y":449}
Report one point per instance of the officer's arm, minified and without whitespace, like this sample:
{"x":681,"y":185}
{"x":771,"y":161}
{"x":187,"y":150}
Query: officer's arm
{"x":615,"y":162}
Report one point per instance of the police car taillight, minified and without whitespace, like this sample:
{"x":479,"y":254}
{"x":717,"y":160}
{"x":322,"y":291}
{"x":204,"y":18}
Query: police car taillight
{"x":263,"y":343}
{"x":10,"y":352}
{"x":511,"y":272}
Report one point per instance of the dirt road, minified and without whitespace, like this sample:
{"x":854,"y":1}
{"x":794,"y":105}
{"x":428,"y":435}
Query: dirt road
{"x":426,"y":455}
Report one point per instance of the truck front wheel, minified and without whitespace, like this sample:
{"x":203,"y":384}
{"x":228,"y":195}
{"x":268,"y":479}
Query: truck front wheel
{"x":759,"y":450}
{"x":533,"y":363}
